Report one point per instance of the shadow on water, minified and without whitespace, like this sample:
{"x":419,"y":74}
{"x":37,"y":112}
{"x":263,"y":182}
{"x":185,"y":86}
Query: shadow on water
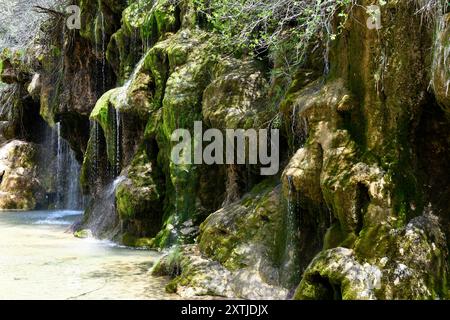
{"x":56,"y":218}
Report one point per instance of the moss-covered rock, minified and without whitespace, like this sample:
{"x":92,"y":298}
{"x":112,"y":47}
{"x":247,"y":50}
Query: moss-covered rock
{"x":100,"y":17}
{"x":440,"y":68}
{"x":355,"y":179}
{"x":187,"y":57}
{"x":411,"y":267}
{"x":144,"y":22}
{"x":139,"y":198}
{"x":83,"y":234}
{"x":356,"y":173}
{"x":335,"y":274}
{"x":195,"y":275}
{"x":236,"y":234}
{"x":241,"y":251}
{"x":20,"y":188}
{"x":130,"y":104}
{"x":237,"y":96}
{"x":13,"y":68}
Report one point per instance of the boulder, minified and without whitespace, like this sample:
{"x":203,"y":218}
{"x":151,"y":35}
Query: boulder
{"x":238,"y":251}
{"x":19,"y":187}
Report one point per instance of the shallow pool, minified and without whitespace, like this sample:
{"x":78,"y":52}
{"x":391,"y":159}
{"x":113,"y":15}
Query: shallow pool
{"x":40,"y":259}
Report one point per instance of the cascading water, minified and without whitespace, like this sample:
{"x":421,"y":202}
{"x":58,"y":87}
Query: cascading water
{"x":103,"y":220}
{"x":290,"y":255}
{"x":118,"y":142}
{"x":100,"y":52}
{"x":173,"y":227}
{"x":293,"y":218}
{"x":102,"y":217}
{"x":299,"y":130}
{"x":95,"y":129}
{"x":102,"y":19}
{"x":68,"y":193}
{"x":59,"y":172}
{"x":122,"y":102}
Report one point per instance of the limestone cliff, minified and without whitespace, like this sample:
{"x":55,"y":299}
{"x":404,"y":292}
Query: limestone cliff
{"x":359,"y":208}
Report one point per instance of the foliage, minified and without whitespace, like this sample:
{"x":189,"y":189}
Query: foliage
{"x":432,"y":8}
{"x":19,"y":22}
{"x":282,"y":25}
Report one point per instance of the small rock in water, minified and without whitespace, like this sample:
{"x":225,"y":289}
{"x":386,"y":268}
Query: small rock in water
{"x":83,"y":234}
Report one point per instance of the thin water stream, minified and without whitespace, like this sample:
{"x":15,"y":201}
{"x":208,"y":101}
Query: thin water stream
{"x":68,"y":191}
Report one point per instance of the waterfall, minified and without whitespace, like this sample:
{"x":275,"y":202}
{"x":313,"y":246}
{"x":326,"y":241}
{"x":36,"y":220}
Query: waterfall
{"x":59,"y":169}
{"x":122,"y":102}
{"x":103,"y":220}
{"x":299,"y":130}
{"x":290,"y":271}
{"x":290,"y":220}
{"x":100,"y":52}
{"x":95,"y":127}
{"x":95,"y":178}
{"x":68,"y":193}
{"x":101,"y":217}
{"x":174,"y":226}
{"x":102,"y":19}
{"x":118,"y":142}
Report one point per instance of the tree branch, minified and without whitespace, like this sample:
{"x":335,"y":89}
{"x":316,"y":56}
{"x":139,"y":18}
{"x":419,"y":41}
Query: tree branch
{"x":48,"y":11}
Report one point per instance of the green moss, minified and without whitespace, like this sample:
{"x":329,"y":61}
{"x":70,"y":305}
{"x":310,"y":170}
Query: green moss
{"x":104,"y":114}
{"x":100,"y":111}
{"x":139,"y":195}
{"x":334,"y":237}
{"x":157,"y":62}
{"x":144,"y":243}
{"x":144,"y":23}
{"x":152,"y":126}
{"x":130,"y":240}
{"x":85,"y":172}
{"x":172,"y":286}
{"x":82,"y":234}
{"x":333,"y":275}
{"x":179,"y":89}
{"x":88,"y":12}
{"x":256,"y":219}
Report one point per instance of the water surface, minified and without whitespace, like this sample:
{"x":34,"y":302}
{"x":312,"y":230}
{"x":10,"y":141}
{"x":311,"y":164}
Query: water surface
{"x":40,"y":259}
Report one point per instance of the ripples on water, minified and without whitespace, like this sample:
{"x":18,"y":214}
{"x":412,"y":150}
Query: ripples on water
{"x":40,"y":259}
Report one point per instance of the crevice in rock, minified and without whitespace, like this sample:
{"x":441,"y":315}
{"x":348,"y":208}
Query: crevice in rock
{"x":31,"y":127}
{"x":433,"y":142}
{"x":100,"y":164}
{"x":362,"y":203}
{"x":75,"y":130}
{"x":325,"y":289}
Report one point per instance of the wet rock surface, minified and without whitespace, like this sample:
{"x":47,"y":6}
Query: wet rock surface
{"x":359,"y":209}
